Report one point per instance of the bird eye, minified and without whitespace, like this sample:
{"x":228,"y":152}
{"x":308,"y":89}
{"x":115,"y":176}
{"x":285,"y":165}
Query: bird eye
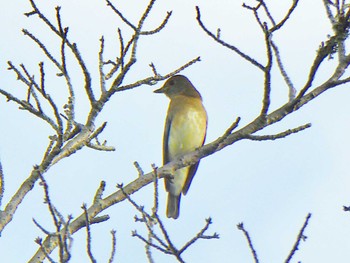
{"x":171,"y":82}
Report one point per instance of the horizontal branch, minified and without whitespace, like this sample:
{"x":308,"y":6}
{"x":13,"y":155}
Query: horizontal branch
{"x":278,"y":135}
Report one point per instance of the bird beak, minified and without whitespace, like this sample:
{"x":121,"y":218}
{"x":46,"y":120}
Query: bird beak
{"x":160,"y":90}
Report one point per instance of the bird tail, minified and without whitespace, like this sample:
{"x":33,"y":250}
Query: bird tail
{"x":173,"y":207}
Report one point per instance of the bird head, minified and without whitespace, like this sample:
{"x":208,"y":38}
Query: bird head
{"x":178,"y":85}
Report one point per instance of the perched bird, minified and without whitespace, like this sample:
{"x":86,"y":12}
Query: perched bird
{"x":185,"y":130}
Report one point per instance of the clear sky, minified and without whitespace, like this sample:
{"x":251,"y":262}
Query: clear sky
{"x":270,"y":186}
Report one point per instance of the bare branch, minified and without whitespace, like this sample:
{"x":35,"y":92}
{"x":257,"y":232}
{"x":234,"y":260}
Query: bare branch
{"x":155,"y":184}
{"x":324,"y":51}
{"x":98,"y":146}
{"x":279,"y":135}
{"x":148,"y":248}
{"x":240,"y":226}
{"x":154,"y":70}
{"x":30,"y":82}
{"x":138,"y":207}
{"x":122,"y":54}
{"x":100,"y":66}
{"x":256,"y":14}
{"x":160,"y":27}
{"x":284,"y":20}
{"x":41,"y":228}
{"x":200,"y":235}
{"x":267,"y":11}
{"x":126,"y":21}
{"x":154,"y":79}
{"x":135,"y":234}
{"x":43,"y":249}
{"x":267,"y":73}
{"x":57,"y":221}
{"x":292,"y":90}
{"x":235,"y":49}
{"x":114,"y":245}
{"x":2,"y":183}
{"x":99,"y":192}
{"x":43,"y":47}
{"x":145,"y":14}
{"x":98,"y":131}
{"x":25,"y":106}
{"x":329,"y":12}
{"x":88,"y":235}
{"x":74,"y":144}
{"x":72,"y":46}
{"x":300,"y":237}
{"x":138,"y":168}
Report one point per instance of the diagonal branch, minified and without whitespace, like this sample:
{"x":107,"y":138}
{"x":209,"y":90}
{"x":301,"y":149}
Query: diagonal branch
{"x":300,"y":237}
{"x":225,"y":44}
{"x":26,"y":106}
{"x":287,"y":16}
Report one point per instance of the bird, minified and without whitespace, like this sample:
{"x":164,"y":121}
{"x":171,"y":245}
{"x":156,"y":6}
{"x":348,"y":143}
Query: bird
{"x":185,"y":130}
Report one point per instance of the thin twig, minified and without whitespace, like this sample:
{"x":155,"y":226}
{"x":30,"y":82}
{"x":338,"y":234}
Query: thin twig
{"x":38,"y":240}
{"x":292,"y":90}
{"x":135,"y":234}
{"x":67,"y":237}
{"x":148,"y":248}
{"x":100,"y":66}
{"x":278,"y":135}
{"x":287,"y":16}
{"x":138,"y":168}
{"x":267,"y":11}
{"x":240,"y":226}
{"x":323,"y":52}
{"x":72,"y":46}
{"x":200,"y":235}
{"x":52,"y":209}
{"x":114,"y":246}
{"x":138,"y":207}
{"x":235,"y":49}
{"x":99,"y":192}
{"x":46,"y":232}
{"x":120,"y":14}
{"x":155,"y":184}
{"x":329,"y":12}
{"x":2,"y":183}
{"x":267,"y":73}
{"x":88,"y":233}
{"x":300,"y":237}
{"x":43,"y":47}
{"x":154,"y":79}
{"x":160,"y":27}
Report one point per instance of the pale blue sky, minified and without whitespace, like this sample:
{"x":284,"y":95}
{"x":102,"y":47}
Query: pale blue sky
{"x":270,"y":186}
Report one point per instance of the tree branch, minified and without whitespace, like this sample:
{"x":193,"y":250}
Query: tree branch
{"x":300,"y":237}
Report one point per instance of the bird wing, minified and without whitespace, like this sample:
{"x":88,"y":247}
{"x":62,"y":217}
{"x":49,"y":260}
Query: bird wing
{"x":167,"y":128}
{"x":166,"y":155}
{"x":191,"y":172}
